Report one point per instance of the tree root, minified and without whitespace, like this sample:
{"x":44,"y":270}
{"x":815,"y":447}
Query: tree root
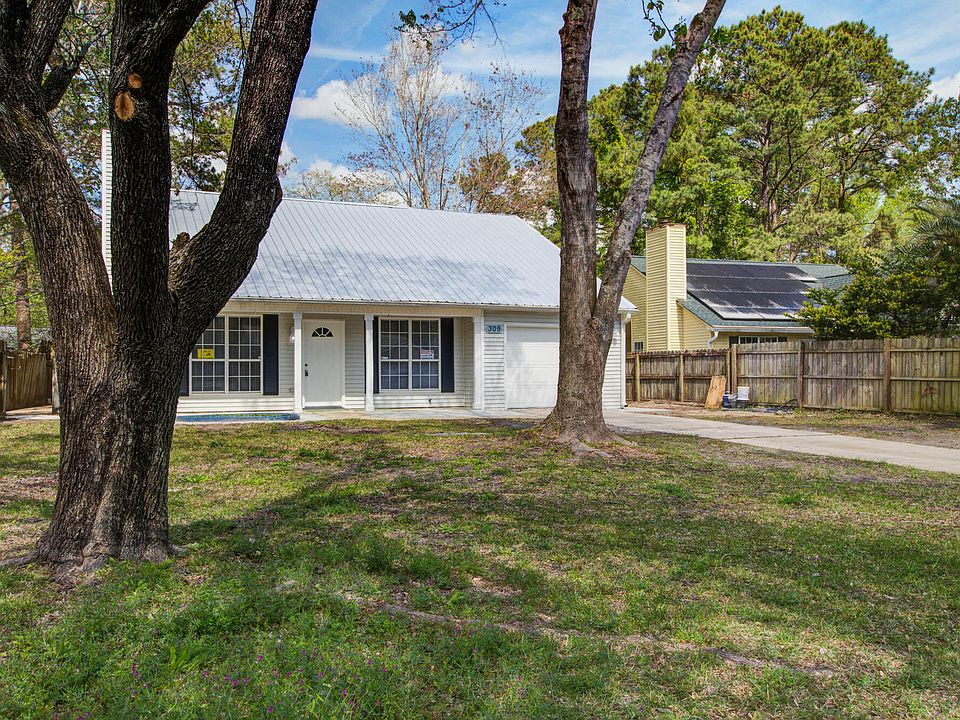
{"x":20,"y":561}
{"x":563,"y":636}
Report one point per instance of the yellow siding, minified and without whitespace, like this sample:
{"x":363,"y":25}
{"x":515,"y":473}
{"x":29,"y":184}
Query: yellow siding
{"x":666,"y":286}
{"x":635,"y":290}
{"x":696,"y":333}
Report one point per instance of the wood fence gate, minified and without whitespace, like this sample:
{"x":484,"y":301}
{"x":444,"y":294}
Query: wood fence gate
{"x":895,"y":375}
{"x":26,"y":378}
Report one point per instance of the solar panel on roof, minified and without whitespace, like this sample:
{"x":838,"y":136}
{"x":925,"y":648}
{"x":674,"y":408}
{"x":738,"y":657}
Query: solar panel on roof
{"x":748,"y":291}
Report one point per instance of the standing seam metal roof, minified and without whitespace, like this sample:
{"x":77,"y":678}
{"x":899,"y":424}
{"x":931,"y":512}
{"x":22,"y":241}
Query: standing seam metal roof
{"x":351,"y":252}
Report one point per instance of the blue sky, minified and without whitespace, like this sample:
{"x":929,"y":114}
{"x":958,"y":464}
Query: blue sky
{"x":344,"y":33}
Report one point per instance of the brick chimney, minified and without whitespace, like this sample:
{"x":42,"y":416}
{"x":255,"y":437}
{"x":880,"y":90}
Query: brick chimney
{"x":666,"y":285}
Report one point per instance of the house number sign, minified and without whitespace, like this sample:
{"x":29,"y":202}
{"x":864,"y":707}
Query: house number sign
{"x":494,"y":329}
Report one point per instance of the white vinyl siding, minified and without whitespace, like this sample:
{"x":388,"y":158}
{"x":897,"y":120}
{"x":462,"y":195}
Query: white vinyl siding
{"x":352,"y":316}
{"x":494,"y":366}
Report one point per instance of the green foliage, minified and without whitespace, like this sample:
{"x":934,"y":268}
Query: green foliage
{"x":915,"y":290}
{"x":793,"y":143}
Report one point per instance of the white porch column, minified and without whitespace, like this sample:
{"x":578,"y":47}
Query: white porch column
{"x":478,"y":403}
{"x":368,"y":351}
{"x":624,"y":319}
{"x":297,"y":361}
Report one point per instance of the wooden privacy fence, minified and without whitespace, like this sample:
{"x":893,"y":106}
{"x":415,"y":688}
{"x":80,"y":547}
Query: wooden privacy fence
{"x":680,"y":376}
{"x":898,"y":375}
{"x":25,"y":378}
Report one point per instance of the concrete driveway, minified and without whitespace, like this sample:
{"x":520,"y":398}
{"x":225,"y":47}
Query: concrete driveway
{"x":924,"y":457}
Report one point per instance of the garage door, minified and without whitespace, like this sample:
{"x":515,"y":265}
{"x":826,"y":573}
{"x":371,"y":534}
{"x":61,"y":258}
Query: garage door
{"x":532,"y":364}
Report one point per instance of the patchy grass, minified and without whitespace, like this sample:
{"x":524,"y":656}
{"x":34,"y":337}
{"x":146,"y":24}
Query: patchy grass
{"x":463,"y":570}
{"x":940,"y":430}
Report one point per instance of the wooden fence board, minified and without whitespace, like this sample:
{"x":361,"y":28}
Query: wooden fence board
{"x":897,"y":375}
{"x":28,"y":380}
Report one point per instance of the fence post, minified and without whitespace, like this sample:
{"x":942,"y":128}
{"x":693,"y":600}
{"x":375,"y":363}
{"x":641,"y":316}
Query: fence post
{"x":886,"y":374}
{"x":3,"y":379}
{"x":734,"y":371}
{"x":680,"y":357}
{"x":801,"y":359}
{"x":636,"y":377}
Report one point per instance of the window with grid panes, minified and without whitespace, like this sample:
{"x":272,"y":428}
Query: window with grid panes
{"x":207,"y":361}
{"x":228,"y":356}
{"x":244,"y":348}
{"x":409,"y":354}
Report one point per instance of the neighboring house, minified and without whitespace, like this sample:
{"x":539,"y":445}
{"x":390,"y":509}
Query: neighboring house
{"x":8,"y":333}
{"x":692,"y":304}
{"x":368,"y":307}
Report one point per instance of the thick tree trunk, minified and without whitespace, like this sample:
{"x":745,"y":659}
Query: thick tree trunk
{"x":21,"y":285}
{"x":588,"y":317}
{"x":121,"y":346}
{"x":114,"y":457}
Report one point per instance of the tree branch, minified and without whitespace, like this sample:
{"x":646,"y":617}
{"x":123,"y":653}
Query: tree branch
{"x":163,"y":34}
{"x":207,"y":269}
{"x":46,"y":21}
{"x":630,"y":214}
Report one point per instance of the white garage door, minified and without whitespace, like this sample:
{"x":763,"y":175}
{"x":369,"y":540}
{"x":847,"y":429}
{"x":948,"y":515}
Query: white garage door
{"x":532,"y":364}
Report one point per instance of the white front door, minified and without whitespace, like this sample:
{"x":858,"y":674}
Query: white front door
{"x":323,"y":370}
{"x":531,"y":365}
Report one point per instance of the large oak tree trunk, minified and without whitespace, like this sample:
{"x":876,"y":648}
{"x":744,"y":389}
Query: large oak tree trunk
{"x":121,"y":346}
{"x":588,"y":317}
{"x":114,"y":456}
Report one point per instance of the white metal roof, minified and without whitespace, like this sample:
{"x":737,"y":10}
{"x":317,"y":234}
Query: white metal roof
{"x":352,"y":252}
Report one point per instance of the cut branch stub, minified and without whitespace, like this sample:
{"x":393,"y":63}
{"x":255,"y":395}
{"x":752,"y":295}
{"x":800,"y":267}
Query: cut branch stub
{"x":124,"y":107}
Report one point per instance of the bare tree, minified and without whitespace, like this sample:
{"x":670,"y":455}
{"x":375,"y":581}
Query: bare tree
{"x":121,"y":348}
{"x":359,"y":186}
{"x":425,"y":130}
{"x":587,"y":316}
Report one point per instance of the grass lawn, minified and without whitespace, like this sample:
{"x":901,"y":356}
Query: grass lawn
{"x":405,"y":570}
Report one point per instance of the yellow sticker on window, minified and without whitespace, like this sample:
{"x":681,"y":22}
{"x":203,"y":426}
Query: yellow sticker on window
{"x":205,"y":354}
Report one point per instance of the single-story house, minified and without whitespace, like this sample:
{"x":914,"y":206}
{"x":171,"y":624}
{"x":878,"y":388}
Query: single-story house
{"x":690,"y":304}
{"x":366,"y":307}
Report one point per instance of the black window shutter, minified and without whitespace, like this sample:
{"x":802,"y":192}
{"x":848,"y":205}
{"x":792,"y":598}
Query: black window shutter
{"x":376,"y":355}
{"x":446,"y":355}
{"x":271,"y":352}
{"x":185,"y":380}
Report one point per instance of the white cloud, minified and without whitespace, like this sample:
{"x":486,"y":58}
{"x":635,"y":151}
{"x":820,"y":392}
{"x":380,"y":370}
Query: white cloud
{"x":330,"y":102}
{"x":333,"y":52}
{"x":948,"y":86}
{"x":287,"y":155}
{"x":323,"y":165}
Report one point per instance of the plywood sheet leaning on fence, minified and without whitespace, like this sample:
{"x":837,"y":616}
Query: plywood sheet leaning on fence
{"x":718,"y":383}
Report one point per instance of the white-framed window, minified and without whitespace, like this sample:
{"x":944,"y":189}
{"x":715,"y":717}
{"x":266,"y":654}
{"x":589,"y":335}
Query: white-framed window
{"x":208,"y":359}
{"x":638,"y":346}
{"x":754,"y":339}
{"x":228,"y":357}
{"x":409,"y":354}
